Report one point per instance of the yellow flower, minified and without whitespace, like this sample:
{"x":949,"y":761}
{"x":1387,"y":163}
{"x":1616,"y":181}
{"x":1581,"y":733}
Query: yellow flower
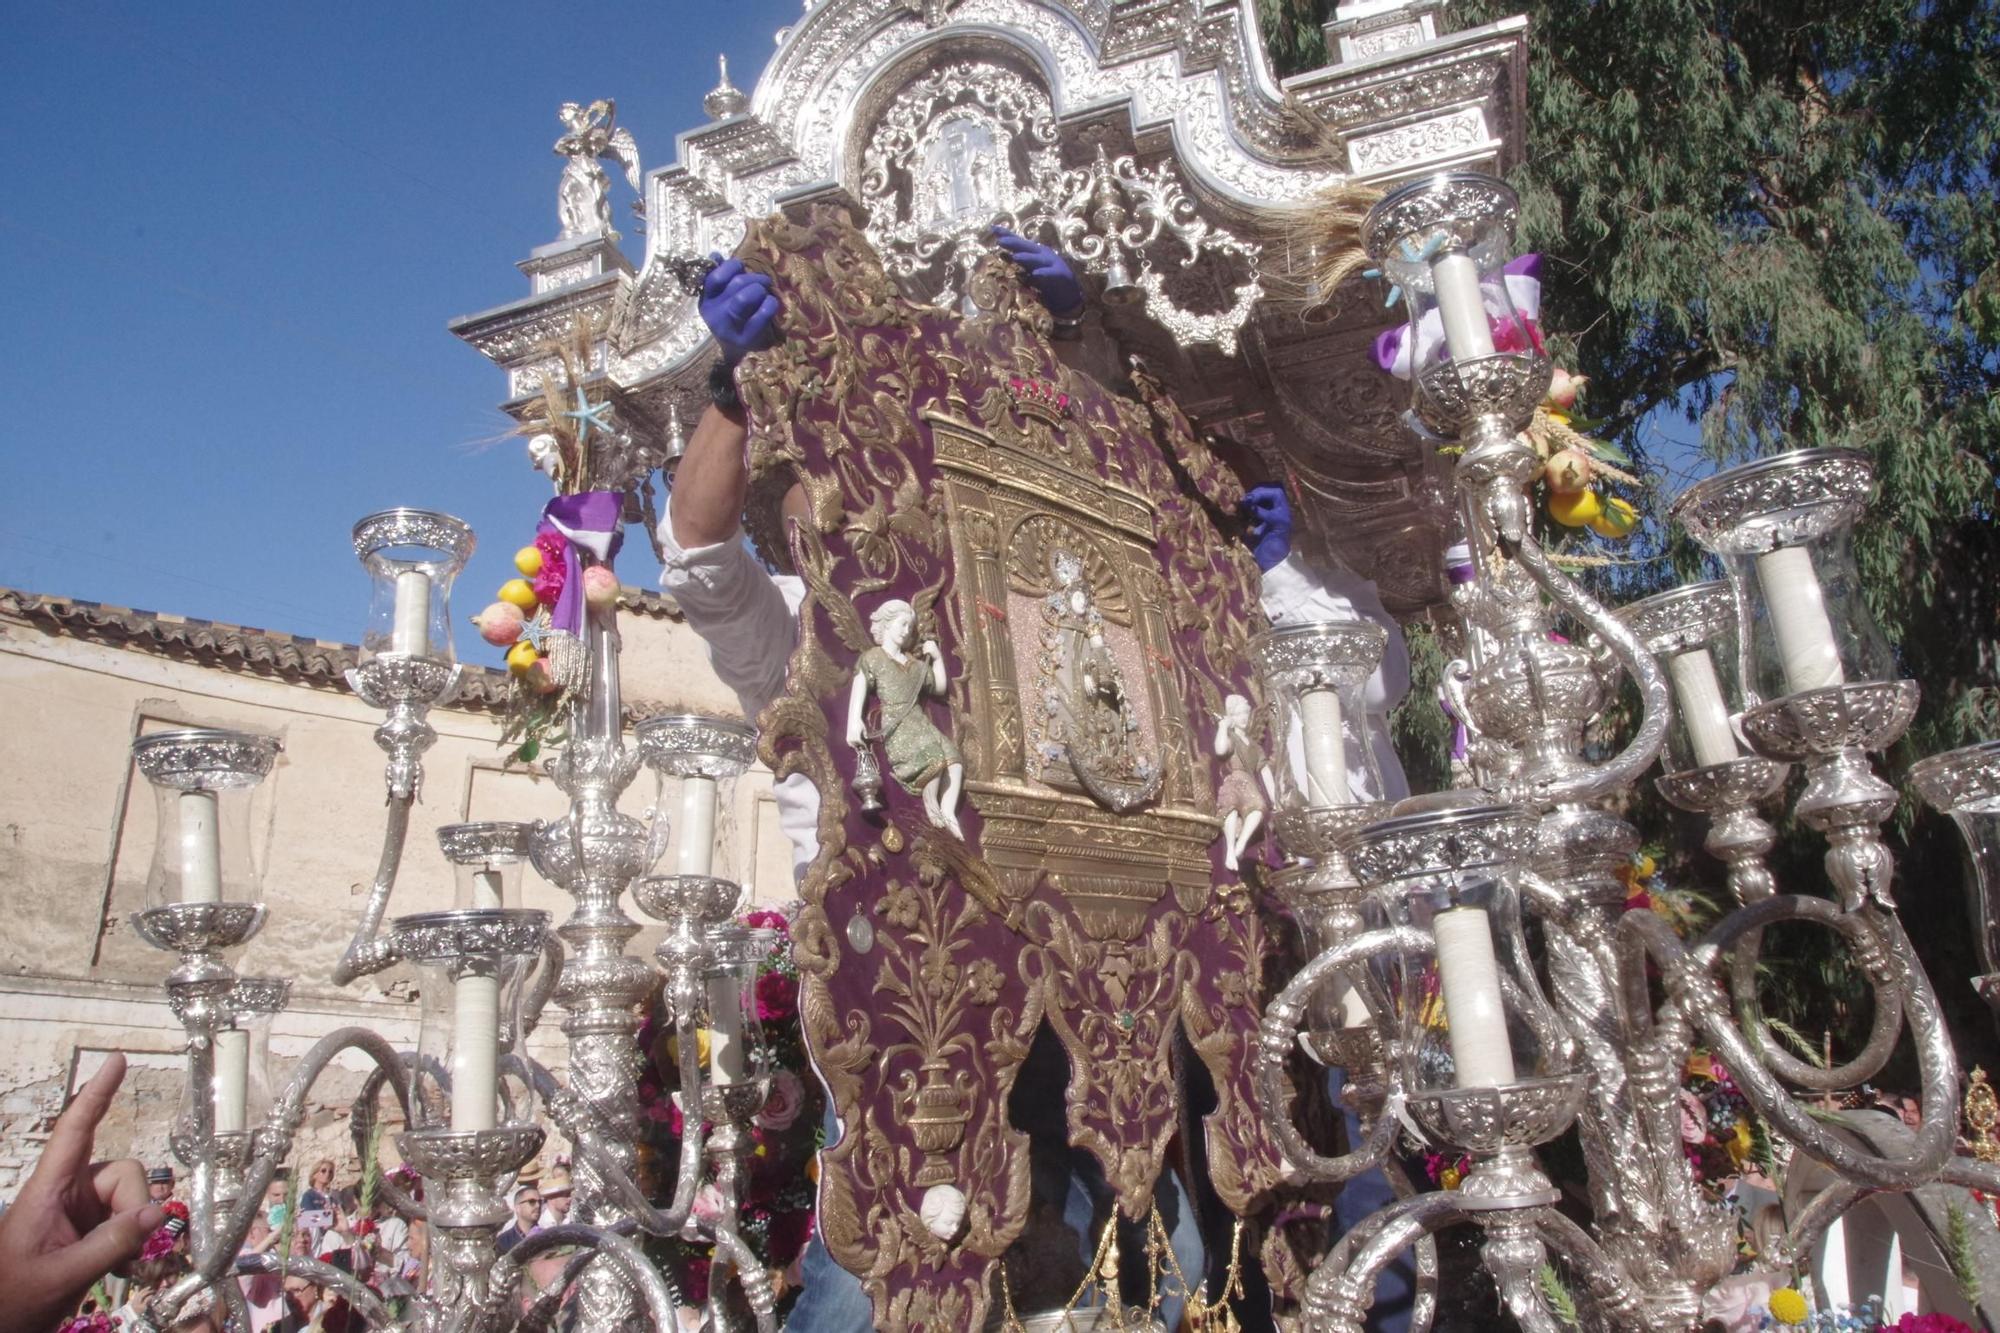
{"x":1449,"y":1177}
{"x":700,"y":1047}
{"x":1741,"y":1142}
{"x":1698,"y":1066}
{"x":1787,"y":1306}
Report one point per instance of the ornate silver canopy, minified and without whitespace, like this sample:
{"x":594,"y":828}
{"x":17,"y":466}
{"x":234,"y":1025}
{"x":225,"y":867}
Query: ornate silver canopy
{"x":1151,"y":148}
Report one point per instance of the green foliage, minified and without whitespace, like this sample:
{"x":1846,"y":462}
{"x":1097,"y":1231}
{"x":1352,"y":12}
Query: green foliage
{"x":1292,"y":33}
{"x":1419,"y":728}
{"x":1772,"y":221}
{"x":1556,"y":1296}
{"x":1958,"y":1252}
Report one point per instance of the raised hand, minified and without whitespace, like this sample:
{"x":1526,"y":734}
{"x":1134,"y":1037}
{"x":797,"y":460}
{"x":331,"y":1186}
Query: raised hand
{"x":75,"y":1220}
{"x":739,"y":308}
{"x":1267,"y":516}
{"x":1046,"y":271}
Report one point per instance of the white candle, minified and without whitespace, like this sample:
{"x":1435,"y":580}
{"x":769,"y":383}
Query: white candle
{"x":1326,"y":748}
{"x":232,"y":1080}
{"x":1798,"y":618}
{"x":412,"y":633}
{"x":1699,"y":695}
{"x":697,"y":849}
{"x":1470,"y":977}
{"x":486,"y":889}
{"x":475,"y":1049}
{"x":201,"y":848}
{"x":725,"y":1034}
{"x":1461,"y":307}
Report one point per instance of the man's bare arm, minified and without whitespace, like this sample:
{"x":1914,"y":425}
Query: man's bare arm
{"x":710,"y":482}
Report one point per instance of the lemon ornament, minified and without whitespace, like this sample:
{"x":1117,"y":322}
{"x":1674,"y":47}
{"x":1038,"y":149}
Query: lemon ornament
{"x":1574,"y":511}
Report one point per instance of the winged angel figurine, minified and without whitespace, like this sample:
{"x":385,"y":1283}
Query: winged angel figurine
{"x":583,"y":200}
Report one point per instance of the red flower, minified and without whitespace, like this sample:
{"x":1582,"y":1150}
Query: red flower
{"x":766,"y":919}
{"x":777,"y":997}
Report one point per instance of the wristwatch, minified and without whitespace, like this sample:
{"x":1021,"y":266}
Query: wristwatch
{"x":722,"y":386}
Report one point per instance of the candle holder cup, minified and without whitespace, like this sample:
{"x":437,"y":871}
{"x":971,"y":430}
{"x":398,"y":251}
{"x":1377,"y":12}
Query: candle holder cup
{"x":1965,"y":784}
{"x":1692,"y":630}
{"x":412,"y":556}
{"x":1819,"y":682}
{"x":1446,"y":242}
{"x":1481,"y":1058}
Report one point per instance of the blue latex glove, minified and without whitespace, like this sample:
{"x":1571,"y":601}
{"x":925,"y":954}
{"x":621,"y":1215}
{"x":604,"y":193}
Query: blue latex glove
{"x":1046,"y":271}
{"x":739,"y":308}
{"x":1267,"y":516}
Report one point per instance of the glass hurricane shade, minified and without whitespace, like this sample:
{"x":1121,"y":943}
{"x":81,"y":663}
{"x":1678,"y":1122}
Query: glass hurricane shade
{"x":1965,"y":784}
{"x":1783,"y":528}
{"x":736,"y":1045}
{"x":695,"y":760}
{"x":238,"y":1091}
{"x":1314,"y":674}
{"x":486,"y":861}
{"x":473,"y":983}
{"x":204,"y":782}
{"x":1469,"y":1009}
{"x":412,"y":556}
{"x":1691,"y":630}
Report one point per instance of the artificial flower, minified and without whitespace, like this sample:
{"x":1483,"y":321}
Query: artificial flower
{"x":777,"y":997}
{"x":786,"y":1099}
{"x":1788,"y":1306}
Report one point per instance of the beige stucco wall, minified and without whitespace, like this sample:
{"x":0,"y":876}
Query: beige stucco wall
{"x":76,"y":837}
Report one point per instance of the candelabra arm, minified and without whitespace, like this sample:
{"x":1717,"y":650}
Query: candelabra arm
{"x":361,"y":1127}
{"x":1610,"y":1285}
{"x":1692,"y":986}
{"x":585,"y":1129}
{"x":653,"y":1286}
{"x":1514,"y":1254}
{"x":1885,"y":1028}
{"x":370,"y":951}
{"x":1972,"y":1174}
{"x":1278,"y":1037}
{"x":547,"y":974}
{"x":1826,"y":1207}
{"x":272,"y":1142}
{"x":162,"y":1310}
{"x":749,"y":1269}
{"x":1342,"y":1288}
{"x":1423,"y":1302}
{"x":1623,"y":769}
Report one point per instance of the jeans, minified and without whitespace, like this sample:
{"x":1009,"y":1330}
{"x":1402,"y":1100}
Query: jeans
{"x":1396,"y":1285}
{"x":830,"y":1298}
{"x":1088,"y":1190}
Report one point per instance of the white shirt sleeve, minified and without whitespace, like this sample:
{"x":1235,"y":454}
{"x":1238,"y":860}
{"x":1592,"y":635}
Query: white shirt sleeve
{"x":743,"y":613}
{"x":1294,"y":594}
{"x":748,"y":617}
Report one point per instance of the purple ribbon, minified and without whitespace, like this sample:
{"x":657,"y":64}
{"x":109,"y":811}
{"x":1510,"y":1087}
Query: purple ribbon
{"x":588,"y":520}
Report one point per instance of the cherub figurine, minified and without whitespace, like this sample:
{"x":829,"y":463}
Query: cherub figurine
{"x":923,"y":758}
{"x":1242,"y":805}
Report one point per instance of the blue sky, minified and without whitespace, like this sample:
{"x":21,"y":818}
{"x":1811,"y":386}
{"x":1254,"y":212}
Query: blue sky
{"x":232,"y":236}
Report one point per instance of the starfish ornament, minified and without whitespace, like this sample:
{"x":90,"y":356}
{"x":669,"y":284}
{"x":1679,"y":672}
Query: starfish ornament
{"x":587,"y":414}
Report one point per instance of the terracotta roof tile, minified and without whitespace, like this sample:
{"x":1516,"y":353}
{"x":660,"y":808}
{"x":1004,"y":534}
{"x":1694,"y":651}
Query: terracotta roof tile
{"x":318,"y":663}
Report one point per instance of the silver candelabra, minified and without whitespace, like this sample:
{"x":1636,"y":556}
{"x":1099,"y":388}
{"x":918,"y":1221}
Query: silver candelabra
{"x":468,"y":1095}
{"x":1426,"y":984}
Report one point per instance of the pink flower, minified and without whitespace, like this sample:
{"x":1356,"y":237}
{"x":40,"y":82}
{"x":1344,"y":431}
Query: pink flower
{"x":766,"y":919}
{"x":1927,"y":1323}
{"x":777,"y":997}
{"x":1694,"y":1118}
{"x":1738,"y":1303}
{"x":787,"y":1098}
{"x":709,"y":1205}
